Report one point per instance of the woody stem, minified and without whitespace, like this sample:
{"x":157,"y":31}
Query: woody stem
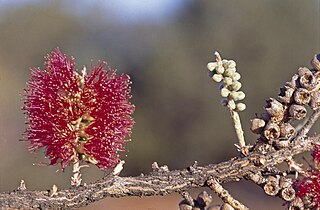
{"x":237,"y":125}
{"x":76,"y":178}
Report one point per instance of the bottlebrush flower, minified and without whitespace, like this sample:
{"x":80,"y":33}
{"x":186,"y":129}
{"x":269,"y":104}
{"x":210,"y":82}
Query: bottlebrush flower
{"x":75,"y":116}
{"x":309,"y":187}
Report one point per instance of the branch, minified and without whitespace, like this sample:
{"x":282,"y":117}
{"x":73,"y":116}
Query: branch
{"x":225,"y":196}
{"x":158,"y":182}
{"x":308,"y":125}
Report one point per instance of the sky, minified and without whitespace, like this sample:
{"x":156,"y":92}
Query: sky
{"x":130,"y":10}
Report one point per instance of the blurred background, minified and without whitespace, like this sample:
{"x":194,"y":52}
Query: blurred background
{"x":164,"y":45}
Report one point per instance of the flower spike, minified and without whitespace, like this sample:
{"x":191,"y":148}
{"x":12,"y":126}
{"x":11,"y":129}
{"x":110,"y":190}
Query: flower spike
{"x":78,"y":116}
{"x":225,"y":73}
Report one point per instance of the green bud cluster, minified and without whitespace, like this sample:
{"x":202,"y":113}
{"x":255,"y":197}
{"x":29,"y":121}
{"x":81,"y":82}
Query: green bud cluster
{"x":225,"y":73}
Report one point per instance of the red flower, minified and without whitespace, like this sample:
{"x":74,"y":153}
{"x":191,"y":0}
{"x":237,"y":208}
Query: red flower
{"x":75,"y":116}
{"x":310,"y":186}
{"x":316,"y":155}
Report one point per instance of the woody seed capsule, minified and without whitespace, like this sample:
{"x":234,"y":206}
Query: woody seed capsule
{"x":288,"y":194}
{"x":302,"y":96}
{"x":204,"y":199}
{"x":277,"y":118}
{"x":272,"y":131}
{"x":286,"y":130}
{"x":294,"y":81}
{"x":274,"y":107}
{"x":315,"y":62}
{"x":285,"y":182}
{"x":303,"y":71}
{"x":185,"y":206}
{"x":285,"y":94}
{"x":308,"y":81}
{"x":297,"y":112}
{"x":271,"y":188}
{"x":257,"y":125}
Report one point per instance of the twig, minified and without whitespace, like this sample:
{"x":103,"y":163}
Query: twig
{"x":76,"y":178}
{"x":295,"y":166}
{"x":225,"y":195}
{"x":308,"y":125}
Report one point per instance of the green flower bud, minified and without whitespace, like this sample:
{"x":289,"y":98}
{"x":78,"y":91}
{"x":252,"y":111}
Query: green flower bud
{"x":236,"y":76}
{"x":227,"y":81}
{"x":232,"y":64}
{"x":237,"y":96}
{"x":224,"y":61}
{"x":217,"y":77}
{"x":225,"y":65}
{"x":235,"y":86}
{"x":229,"y":72}
{"x":240,"y":107}
{"x":224,"y":92}
{"x":220,"y":70}
{"x":212,"y":65}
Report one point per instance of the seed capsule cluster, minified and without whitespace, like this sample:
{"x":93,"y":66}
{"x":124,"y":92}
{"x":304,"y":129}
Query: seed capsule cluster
{"x":225,"y":73}
{"x":301,"y":91}
{"x":276,"y":185}
{"x":203,"y":201}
